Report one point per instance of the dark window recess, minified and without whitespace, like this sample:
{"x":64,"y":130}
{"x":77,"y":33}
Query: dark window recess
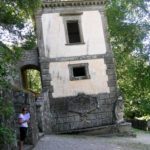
{"x":79,"y":71}
{"x":73,"y":32}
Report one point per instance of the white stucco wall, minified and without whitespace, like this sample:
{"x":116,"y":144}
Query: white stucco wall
{"x":55,"y":40}
{"x":64,"y":87}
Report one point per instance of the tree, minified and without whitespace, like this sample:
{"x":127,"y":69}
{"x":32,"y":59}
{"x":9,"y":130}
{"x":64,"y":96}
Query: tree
{"x":129,"y":28}
{"x":34,"y":80}
{"x":15,"y":16}
{"x":17,"y":21}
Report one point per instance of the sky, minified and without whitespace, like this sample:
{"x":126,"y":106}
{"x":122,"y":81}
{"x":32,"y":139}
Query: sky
{"x":15,"y":37}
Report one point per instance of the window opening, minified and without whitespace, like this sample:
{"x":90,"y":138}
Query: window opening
{"x":73,"y":31}
{"x":79,"y":71}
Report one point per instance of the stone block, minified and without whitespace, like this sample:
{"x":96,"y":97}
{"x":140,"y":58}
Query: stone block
{"x":109,"y":101}
{"x":59,"y":121}
{"x":110,"y":72}
{"x":109,"y":60}
{"x":45,"y":71}
{"x":46,"y":77}
{"x":66,"y":127}
{"x":91,"y":117}
{"x":46,"y":83}
{"x":110,"y":66}
{"x":101,"y":102}
{"x":103,"y":96}
{"x":113,"y":89}
{"x":74,"y":125}
{"x":96,"y":123}
{"x":111,"y":83}
{"x":113,"y":95}
{"x":45,"y":65}
{"x":72,"y":119}
{"x":76,"y":118}
{"x":125,"y":129}
{"x":112,"y":77}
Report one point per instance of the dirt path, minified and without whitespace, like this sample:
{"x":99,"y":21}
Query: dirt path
{"x":80,"y":142}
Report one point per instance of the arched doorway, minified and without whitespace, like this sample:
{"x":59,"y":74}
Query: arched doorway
{"x":31,"y":78}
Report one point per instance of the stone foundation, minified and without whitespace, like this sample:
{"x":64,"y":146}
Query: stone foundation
{"x":122,"y":129}
{"x":82,"y":111}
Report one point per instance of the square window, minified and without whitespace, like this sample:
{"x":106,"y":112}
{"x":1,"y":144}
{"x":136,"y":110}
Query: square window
{"x":79,"y":71}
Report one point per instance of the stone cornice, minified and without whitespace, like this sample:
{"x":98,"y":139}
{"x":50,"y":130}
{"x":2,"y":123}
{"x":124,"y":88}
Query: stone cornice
{"x":71,"y":3}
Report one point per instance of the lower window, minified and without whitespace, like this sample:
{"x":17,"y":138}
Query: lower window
{"x":79,"y":71}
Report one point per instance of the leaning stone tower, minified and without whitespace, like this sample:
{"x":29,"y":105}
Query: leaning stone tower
{"x":77,"y":66}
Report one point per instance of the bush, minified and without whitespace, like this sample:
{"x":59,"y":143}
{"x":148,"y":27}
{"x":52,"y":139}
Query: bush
{"x":7,"y":135}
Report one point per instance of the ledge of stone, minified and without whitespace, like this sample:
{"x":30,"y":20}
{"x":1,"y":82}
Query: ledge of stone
{"x":64,"y":3}
{"x":121,"y":129}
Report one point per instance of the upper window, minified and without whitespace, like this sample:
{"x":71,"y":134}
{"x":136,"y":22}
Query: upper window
{"x":73,"y":31}
{"x":73,"y":28}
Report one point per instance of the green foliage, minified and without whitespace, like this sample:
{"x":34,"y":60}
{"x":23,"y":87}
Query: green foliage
{"x":133,"y":79}
{"x":30,"y":41}
{"x":6,"y":112}
{"x":6,"y":135}
{"x":16,"y":18}
{"x":29,"y":6}
{"x":14,"y":15}
{"x":34,"y":80}
{"x":10,"y":14}
{"x":129,"y":26}
{"x":8,"y":57}
{"x":16,"y":12}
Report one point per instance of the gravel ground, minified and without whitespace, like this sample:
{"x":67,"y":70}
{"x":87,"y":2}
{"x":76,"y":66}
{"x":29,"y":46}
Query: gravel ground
{"x":81,"y":142}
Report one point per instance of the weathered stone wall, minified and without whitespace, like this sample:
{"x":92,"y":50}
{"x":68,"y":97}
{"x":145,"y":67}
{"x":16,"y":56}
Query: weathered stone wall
{"x":29,"y":57}
{"x":83,"y":111}
{"x":26,"y":99}
{"x":28,"y":60}
{"x":19,"y":100}
{"x":43,"y":112}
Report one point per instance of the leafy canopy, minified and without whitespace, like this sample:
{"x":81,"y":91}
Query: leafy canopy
{"x":129,"y":28}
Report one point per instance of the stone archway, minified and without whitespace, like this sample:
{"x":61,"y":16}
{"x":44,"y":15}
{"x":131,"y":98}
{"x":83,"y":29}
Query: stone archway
{"x":31,"y":78}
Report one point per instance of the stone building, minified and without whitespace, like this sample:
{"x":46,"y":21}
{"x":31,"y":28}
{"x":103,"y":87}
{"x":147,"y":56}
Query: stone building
{"x":77,"y":68}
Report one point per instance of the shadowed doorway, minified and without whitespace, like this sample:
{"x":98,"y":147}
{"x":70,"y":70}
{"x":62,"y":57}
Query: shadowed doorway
{"x":31,"y":78}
